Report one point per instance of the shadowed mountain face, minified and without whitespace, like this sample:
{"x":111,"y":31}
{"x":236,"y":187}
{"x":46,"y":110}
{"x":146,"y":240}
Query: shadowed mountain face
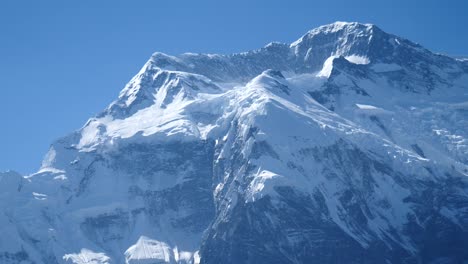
{"x":347,"y":146}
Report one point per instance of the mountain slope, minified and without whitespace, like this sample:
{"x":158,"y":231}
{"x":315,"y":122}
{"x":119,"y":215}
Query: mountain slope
{"x":347,"y":146}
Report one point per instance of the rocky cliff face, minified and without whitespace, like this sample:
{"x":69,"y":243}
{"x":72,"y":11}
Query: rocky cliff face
{"x":346,"y":146}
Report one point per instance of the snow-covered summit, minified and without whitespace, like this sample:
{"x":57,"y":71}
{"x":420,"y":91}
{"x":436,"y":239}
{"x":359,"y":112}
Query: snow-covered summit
{"x":161,"y":87}
{"x":359,"y":43}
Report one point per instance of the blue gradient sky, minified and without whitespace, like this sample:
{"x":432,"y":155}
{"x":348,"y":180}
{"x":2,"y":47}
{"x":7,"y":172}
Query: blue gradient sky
{"x":62,"y":62}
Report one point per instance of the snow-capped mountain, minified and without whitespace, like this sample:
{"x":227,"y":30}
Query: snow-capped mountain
{"x":348,"y":145}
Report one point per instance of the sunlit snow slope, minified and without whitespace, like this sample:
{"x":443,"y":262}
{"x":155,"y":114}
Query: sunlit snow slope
{"x":347,"y":146}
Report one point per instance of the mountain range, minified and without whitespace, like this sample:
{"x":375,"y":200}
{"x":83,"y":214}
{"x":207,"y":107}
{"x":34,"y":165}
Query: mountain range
{"x":348,"y":145}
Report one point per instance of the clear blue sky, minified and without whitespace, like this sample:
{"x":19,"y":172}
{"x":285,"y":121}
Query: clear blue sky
{"x":62,"y":62}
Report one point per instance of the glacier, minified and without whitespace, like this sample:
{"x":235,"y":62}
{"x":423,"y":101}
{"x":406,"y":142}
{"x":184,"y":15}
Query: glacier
{"x":348,"y":145}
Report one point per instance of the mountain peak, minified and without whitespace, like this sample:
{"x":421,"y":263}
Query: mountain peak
{"x":344,"y":28}
{"x":340,"y":25}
